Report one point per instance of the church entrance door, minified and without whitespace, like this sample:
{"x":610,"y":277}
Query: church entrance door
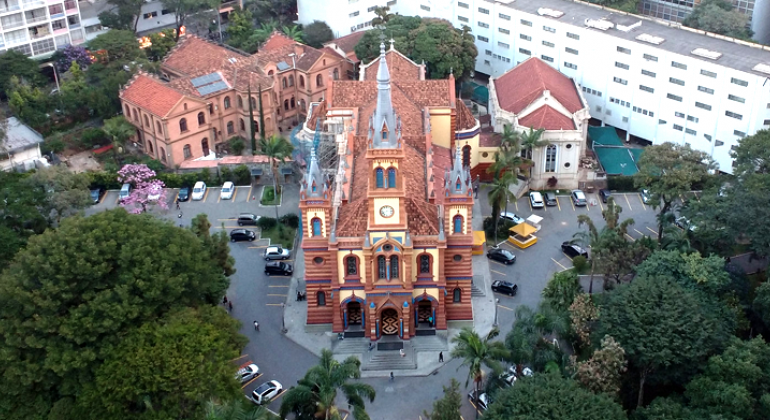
{"x":354,"y":313}
{"x":389,"y":322}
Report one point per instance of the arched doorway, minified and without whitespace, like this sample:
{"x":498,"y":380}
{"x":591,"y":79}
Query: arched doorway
{"x":205,"y":146}
{"x":354,"y":314}
{"x":424,"y":314}
{"x":389,"y":322}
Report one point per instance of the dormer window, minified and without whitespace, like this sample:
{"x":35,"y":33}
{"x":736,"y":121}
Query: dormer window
{"x":384,"y":135}
{"x":458,"y":185}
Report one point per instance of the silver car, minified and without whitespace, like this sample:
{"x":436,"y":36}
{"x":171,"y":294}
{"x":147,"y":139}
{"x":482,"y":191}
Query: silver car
{"x":578,"y":198}
{"x":276,"y":253}
{"x":511,"y":217}
{"x":247,"y":373}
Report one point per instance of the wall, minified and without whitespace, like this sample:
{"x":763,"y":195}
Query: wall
{"x":441,"y":127}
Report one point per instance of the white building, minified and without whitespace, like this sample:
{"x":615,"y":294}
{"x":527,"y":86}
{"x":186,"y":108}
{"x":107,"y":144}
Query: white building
{"x":650,"y":78}
{"x":21,"y":148}
{"x":37,"y":28}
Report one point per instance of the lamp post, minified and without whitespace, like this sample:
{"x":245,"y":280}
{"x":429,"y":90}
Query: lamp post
{"x":497,"y":302}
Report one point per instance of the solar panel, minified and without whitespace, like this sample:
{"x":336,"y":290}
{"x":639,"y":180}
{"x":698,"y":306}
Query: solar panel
{"x":214,"y":87}
{"x":204,"y":80}
{"x":282,"y":66}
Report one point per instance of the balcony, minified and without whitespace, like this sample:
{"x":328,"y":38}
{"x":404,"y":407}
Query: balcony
{"x":31,"y":4}
{"x":56,"y":11}
{"x":41,"y":31}
{"x":59,"y":27}
{"x":12,"y":21}
{"x":73,"y":22}
{"x":71,"y":7}
{"x":35,"y":16}
{"x":9,"y":6}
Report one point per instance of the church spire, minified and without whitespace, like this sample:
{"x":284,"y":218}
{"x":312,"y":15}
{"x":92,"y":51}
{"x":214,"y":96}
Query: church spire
{"x":384,"y":131}
{"x":314,"y":182}
{"x":458,"y":180}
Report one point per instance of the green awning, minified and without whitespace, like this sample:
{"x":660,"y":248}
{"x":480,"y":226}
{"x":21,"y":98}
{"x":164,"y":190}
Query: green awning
{"x":617,"y":160}
{"x":604,"y":136}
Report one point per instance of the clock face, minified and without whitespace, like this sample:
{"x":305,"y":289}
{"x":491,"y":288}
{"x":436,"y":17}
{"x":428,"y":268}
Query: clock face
{"x":386,"y":211}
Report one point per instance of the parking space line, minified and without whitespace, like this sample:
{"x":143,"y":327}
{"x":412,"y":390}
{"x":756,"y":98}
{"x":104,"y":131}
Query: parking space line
{"x":283,"y":391}
{"x":600,"y":204}
{"x":273,"y":294}
{"x":497,"y":272}
{"x":493,"y":261}
{"x":206,"y":194}
{"x":221,"y":220}
{"x":642,"y":201}
{"x":220,"y":197}
{"x":630,"y":237}
{"x":516,"y":202}
{"x":117,"y":200}
{"x":559,"y":264}
{"x":637,"y":231}
{"x":588,"y":206}
{"x":278,"y":285}
{"x":273,"y":304}
{"x":568,"y":257}
{"x":259,"y":375}
{"x":248,"y":196}
{"x":235,"y":194}
{"x":557,"y":203}
{"x":530,"y":204}
{"x":573,"y":204}
{"x":504,"y":307}
{"x":629,"y":203}
{"x":225,"y":227}
{"x":653,"y":231}
{"x":255,"y":247}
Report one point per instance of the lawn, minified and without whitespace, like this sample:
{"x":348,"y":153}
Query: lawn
{"x":269,"y":198}
{"x":280,"y":234}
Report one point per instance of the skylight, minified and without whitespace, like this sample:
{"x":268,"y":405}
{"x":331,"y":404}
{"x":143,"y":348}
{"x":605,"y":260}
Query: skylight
{"x":702,"y":52}
{"x":652,"y":39}
{"x":544,"y":11}
{"x":762,"y":68}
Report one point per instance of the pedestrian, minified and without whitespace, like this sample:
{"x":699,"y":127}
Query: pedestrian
{"x":230,"y":305}
{"x":177,"y":204}
{"x":391,"y":377}
{"x":430,"y":320}
{"x":371,"y":346}
{"x":441,"y":357}
{"x":224,"y":300}
{"x":256,"y":326}
{"x":401,"y":352}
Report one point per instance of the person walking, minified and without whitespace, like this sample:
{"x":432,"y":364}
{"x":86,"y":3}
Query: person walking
{"x":224,"y":300}
{"x":256,"y":326}
{"x":401,"y":352}
{"x":230,"y":305}
{"x":177,"y":204}
{"x":371,"y":346}
{"x":441,"y":357}
{"x":392,"y":378}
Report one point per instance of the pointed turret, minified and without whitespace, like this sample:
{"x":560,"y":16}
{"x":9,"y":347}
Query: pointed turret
{"x":314,"y":183}
{"x":458,"y":180}
{"x":385,"y":127}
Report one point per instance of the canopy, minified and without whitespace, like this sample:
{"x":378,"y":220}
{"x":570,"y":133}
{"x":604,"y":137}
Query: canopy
{"x":523,"y":229}
{"x":617,"y":160}
{"x":534,"y":219}
{"x":479,"y":237}
{"x":604,"y":136}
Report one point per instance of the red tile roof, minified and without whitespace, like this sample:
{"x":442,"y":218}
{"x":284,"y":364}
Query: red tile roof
{"x":526,"y":82}
{"x":547,"y":118}
{"x":151,"y":94}
{"x":348,"y":43}
{"x":276,"y":40}
{"x":193,"y":55}
{"x":465,"y":119}
{"x":401,"y":68}
{"x":488,"y":139}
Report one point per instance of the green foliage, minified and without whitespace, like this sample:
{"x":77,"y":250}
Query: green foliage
{"x":448,"y":407}
{"x":28,"y":103}
{"x":761,"y":303}
{"x":87,"y":283}
{"x":317,"y":34}
{"x":183,"y":9}
{"x":291,"y":220}
{"x":316,"y":393}
{"x":236,"y":409}
{"x":124,"y":16}
{"x":621,"y":183}
{"x":120,"y":45}
{"x":108,"y":180}
{"x":551,"y":397}
{"x":242,"y":175}
{"x":218,"y":244}
{"x":562,"y":289}
{"x":162,"y":43}
{"x":602,"y":372}
{"x":437,"y":42}
{"x":689,"y":270}
{"x":174,"y":365}
{"x":580,"y":263}
{"x":274,"y":12}
{"x":53,"y":144}
{"x":294,"y":32}
{"x":528,"y":343}
{"x":237,"y":145}
{"x":719,"y":16}
{"x":266,"y":223}
{"x":477,"y":352}
{"x":242,"y":33}
{"x":91,"y":137}
{"x":268,"y":196}
{"x":503,"y":226}
{"x":65,"y":192}
{"x":15,"y":64}
{"x":498,"y":195}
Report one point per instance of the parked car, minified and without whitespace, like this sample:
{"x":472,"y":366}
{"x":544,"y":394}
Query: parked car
{"x":525,"y":371}
{"x":550,"y":199}
{"x":275,"y":268}
{"x":578,"y":198}
{"x":154,"y":194}
{"x":266,"y":392}
{"x":685,"y":224}
{"x":511,"y":217}
{"x":184,"y":194}
{"x":508,"y":379}
{"x":645,"y":194}
{"x":502,"y":255}
{"x":276,"y":253}
{"x":505,"y":287}
{"x":199,"y":191}
{"x":247,"y":219}
{"x":242,"y":235}
{"x":604,"y":195}
{"x":125,"y":191}
{"x":227,"y":191}
{"x":573,"y":250}
{"x":479,"y":399}
{"x":247,"y":373}
{"x":96,"y":194}
{"x":536,"y":200}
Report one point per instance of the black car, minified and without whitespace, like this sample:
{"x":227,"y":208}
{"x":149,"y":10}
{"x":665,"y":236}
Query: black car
{"x":96,"y":195}
{"x":604,"y":194}
{"x":504,"y":287}
{"x":247,"y":219}
{"x":502,"y":255}
{"x":184,"y":194}
{"x":242,"y":235}
{"x":550,"y":199}
{"x":275,"y":268}
{"x":573,"y":250}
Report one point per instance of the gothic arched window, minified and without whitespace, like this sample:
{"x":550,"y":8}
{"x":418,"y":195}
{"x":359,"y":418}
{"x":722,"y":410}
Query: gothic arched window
{"x":457,"y":223}
{"x":391,"y":177}
{"x":382,"y":271}
{"x":316,"y":222}
{"x":394,"y":267}
{"x":380,"y":175}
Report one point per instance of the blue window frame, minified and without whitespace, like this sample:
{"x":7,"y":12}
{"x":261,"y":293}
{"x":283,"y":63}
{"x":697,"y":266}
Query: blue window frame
{"x":380,"y":178}
{"x":392,"y":178}
{"x":458,"y":224}
{"x":316,"y":226}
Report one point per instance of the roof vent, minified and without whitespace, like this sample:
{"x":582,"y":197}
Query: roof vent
{"x":652,"y":39}
{"x":599,"y":24}
{"x":544,"y":11}
{"x":232,"y":60}
{"x":702,"y":52}
{"x":762,"y":68}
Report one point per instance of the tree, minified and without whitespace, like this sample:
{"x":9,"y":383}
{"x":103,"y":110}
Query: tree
{"x":71,"y":295}
{"x":18,"y":65}
{"x":66,"y":192}
{"x":283,"y":12}
{"x":162,"y":43}
{"x":120,"y":45}
{"x":668,"y":170}
{"x":562,"y":289}
{"x":182,"y":9}
{"x":719,"y":16}
{"x":382,"y":16}
{"x":317,"y":34}
{"x":444,"y":48}
{"x":533,"y":339}
{"x":552,"y":397}
{"x":20,"y":215}
{"x":761,"y":303}
{"x":318,"y":390}
{"x":448,"y":407}
{"x":119,"y":131}
{"x":662,"y":324}
{"x":530,"y":140}
{"x":293,"y":31}
{"x":583,"y":315}
{"x":124,"y":16}
{"x":689,"y":270}
{"x":236,"y":145}
{"x":476,"y":353}
{"x":72,"y":53}
{"x":276,"y":149}
{"x":28,"y":103}
{"x":168,"y":369}
{"x":601,"y":374}
{"x":499,"y":194}
{"x":217,"y":244}
{"x":236,"y":409}
{"x":241,"y":31}
{"x":146,"y":189}
{"x":73,"y":91}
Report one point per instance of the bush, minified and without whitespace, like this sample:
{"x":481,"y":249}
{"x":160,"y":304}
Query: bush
{"x":291,"y":220}
{"x":91,"y":137}
{"x":502,"y":228}
{"x":552,"y":181}
{"x":266,"y":223}
{"x":53,"y":144}
{"x":104,"y":179}
{"x":204,"y":175}
{"x":621,"y":183}
{"x":226,"y":174}
{"x":580,"y":263}
{"x":237,"y":145}
{"x":242,"y":175}
{"x":171,"y":180}
{"x":268,"y":196}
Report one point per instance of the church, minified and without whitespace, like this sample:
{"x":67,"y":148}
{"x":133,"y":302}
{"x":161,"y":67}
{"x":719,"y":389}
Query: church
{"x":387,"y":243}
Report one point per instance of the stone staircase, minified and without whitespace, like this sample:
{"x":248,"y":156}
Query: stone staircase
{"x":350,"y":345}
{"x":389,"y":360}
{"x":429,"y":343}
{"x":477,"y":287}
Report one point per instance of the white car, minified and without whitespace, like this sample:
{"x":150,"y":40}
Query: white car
{"x":536,"y":200}
{"x":154,"y":194}
{"x":199,"y":191}
{"x":247,"y":373}
{"x":227,"y":191}
{"x":511,"y":217}
{"x":266,"y":392}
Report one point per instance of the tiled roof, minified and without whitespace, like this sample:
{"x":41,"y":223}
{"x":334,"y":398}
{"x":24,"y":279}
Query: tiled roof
{"x":318,"y":112}
{"x":489,"y":139}
{"x":193,"y":55}
{"x":332,"y":52}
{"x":305,"y":59}
{"x":151,"y":94}
{"x":465,"y":119}
{"x":426,"y":92}
{"x":442,"y":160}
{"x":353,"y":218}
{"x":547,"y":118}
{"x":276,"y":40}
{"x":348,"y":43}
{"x":401,"y":68}
{"x":526,"y":82}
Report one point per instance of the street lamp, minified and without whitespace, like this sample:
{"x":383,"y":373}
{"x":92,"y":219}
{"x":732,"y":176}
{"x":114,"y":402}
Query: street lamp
{"x":497,"y":302}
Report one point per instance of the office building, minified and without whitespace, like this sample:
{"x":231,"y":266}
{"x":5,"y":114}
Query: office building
{"x":37,"y":28}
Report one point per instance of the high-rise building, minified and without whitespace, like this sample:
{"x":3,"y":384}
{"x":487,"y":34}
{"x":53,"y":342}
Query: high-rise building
{"x":37,"y":28}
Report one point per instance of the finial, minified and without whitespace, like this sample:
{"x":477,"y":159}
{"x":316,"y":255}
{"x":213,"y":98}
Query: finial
{"x":451,"y":70}
{"x":392,"y":41}
{"x":382,"y":37}
{"x":382,"y":48}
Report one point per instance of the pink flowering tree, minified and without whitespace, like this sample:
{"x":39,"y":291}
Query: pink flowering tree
{"x":147,"y":190}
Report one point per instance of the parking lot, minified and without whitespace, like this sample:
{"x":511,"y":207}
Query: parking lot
{"x":536,"y":265}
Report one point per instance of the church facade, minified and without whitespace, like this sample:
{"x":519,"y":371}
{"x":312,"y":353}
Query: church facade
{"x":387,"y":243}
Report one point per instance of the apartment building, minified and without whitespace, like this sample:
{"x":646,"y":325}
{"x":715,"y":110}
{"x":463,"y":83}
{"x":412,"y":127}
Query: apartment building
{"x":37,"y":28}
{"x":655,"y":81}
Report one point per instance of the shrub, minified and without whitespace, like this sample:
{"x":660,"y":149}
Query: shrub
{"x":580,"y":263}
{"x":171,"y":180}
{"x":502,"y":228}
{"x":291,"y":220}
{"x":242,"y":175}
{"x":237,"y":145}
{"x":268,"y":195}
{"x":266,"y":223}
{"x":104,"y":179}
{"x":552,"y":181}
{"x":226,"y":174}
{"x":91,"y":137}
{"x":621,"y":183}
{"x":53,"y":144}
{"x":204,"y":175}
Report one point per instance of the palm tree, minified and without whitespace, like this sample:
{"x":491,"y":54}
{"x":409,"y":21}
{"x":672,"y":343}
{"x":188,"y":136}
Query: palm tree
{"x":476,"y":353}
{"x":238,"y":409}
{"x":318,"y":390}
{"x":531,"y":341}
{"x":676,"y":239}
{"x":119,"y":130}
{"x":531,"y":140}
{"x":382,"y":16}
{"x":294,"y":32}
{"x":500,"y":193}
{"x":265,"y":29}
{"x":276,"y":149}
